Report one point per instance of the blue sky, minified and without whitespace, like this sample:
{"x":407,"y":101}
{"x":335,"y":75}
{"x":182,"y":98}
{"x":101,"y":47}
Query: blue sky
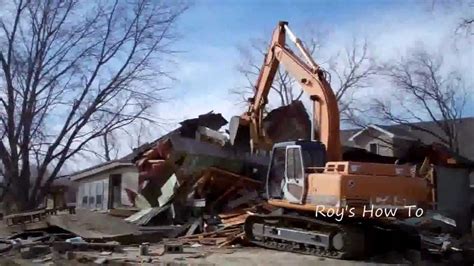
{"x":211,"y":31}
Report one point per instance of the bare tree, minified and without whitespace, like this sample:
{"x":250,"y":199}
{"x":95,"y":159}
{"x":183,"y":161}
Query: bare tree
{"x":126,"y":138}
{"x":425,"y":91}
{"x":465,"y":8}
{"x":249,"y":67}
{"x":349,"y":70}
{"x":72,"y":71}
{"x":110,"y":145}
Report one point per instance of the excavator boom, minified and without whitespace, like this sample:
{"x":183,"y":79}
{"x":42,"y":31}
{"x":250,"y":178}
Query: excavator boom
{"x":325,"y":113}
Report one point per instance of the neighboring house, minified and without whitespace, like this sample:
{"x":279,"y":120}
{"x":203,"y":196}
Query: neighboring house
{"x":62,"y":192}
{"x":105,"y":186}
{"x":394,"y":140}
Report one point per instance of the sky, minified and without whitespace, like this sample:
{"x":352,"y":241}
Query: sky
{"x":211,"y":31}
{"x":204,"y":69}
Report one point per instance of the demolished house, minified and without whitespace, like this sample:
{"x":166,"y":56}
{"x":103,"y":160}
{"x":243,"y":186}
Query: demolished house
{"x":193,"y":169}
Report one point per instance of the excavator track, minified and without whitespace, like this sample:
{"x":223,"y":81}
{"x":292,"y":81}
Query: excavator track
{"x":305,"y":235}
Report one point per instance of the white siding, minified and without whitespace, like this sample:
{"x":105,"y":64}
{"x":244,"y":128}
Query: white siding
{"x":98,"y":184}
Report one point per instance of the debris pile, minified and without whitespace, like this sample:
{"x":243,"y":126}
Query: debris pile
{"x":192,"y":177}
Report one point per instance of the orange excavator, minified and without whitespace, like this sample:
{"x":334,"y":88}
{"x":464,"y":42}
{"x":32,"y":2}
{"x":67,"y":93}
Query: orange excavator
{"x":327,"y":204}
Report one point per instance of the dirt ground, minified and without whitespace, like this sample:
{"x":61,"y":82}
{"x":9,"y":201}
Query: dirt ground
{"x":199,"y":256}
{"x":258,"y":256}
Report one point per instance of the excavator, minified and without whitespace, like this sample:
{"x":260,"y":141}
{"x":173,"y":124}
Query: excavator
{"x":327,"y":205}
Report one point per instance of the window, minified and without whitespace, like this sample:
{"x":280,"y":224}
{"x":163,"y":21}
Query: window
{"x":115,"y":189}
{"x":91,"y":196}
{"x":85,"y":190}
{"x":276,"y":177}
{"x":99,"y":194}
{"x":294,"y":168}
{"x":374,"y":148}
{"x":98,"y":201}
{"x":278,"y":163}
{"x":91,"y":202}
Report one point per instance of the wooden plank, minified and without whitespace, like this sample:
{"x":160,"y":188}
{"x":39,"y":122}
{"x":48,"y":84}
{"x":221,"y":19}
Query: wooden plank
{"x":232,"y":239}
{"x":236,"y":212}
{"x":155,"y":161}
{"x":232,"y":214}
{"x":212,"y":241}
{"x":239,"y":177}
{"x":236,"y":220}
{"x":193,"y":227}
{"x":207,"y":234}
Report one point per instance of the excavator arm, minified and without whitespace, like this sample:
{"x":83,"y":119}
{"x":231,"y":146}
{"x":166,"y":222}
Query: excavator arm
{"x":325,"y":113}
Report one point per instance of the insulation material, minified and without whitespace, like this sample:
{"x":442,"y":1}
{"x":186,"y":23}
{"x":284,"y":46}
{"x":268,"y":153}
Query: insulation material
{"x":141,"y":202}
{"x":167,"y":190}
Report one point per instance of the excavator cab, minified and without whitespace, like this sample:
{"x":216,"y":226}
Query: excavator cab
{"x":290,"y":164}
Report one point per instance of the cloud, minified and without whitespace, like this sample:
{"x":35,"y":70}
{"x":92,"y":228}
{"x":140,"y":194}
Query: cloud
{"x":202,"y":83}
{"x":206,"y":71}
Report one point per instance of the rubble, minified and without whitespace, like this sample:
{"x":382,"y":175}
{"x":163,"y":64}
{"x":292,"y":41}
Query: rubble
{"x":290,"y":122}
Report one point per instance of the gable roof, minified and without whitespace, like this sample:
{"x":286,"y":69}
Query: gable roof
{"x":99,"y":169}
{"x":465,"y":128}
{"x":390,"y":131}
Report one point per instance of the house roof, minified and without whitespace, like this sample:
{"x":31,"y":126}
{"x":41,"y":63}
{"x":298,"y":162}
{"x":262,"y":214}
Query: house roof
{"x":188,"y":127}
{"x":346,"y":134}
{"x":391,"y":131}
{"x":417,"y":132}
{"x":99,"y":169}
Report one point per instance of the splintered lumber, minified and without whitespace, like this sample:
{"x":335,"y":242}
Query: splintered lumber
{"x":211,"y":234}
{"x":237,"y":211}
{"x":232,"y":239}
{"x":193,"y":227}
{"x":221,"y":231}
{"x":155,"y":161}
{"x":212,"y":241}
{"x":240,"y":219}
{"x":140,"y":162}
{"x":234,"y":213}
{"x":148,"y":152}
{"x":236,"y":177}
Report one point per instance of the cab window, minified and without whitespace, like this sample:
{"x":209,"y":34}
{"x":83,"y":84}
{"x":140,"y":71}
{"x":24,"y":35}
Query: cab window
{"x":294,"y":166}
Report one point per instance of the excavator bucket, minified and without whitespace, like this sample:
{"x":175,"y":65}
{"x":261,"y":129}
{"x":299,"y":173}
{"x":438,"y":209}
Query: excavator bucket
{"x":239,"y":132}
